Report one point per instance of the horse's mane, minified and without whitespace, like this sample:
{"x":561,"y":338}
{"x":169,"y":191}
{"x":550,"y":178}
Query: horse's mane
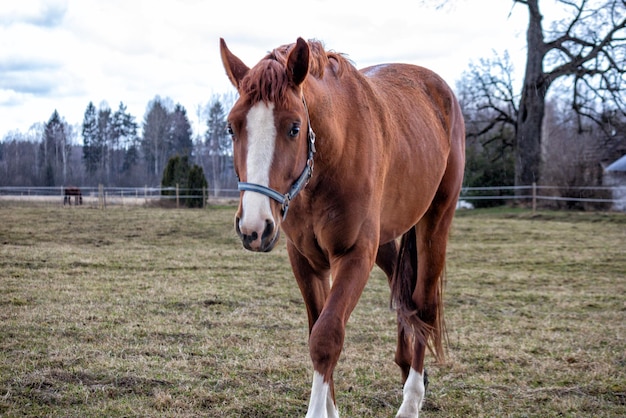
{"x":267,"y":81}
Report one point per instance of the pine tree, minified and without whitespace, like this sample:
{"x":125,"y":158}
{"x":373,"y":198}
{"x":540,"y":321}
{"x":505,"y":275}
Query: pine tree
{"x":180,"y":132}
{"x":169,"y":176}
{"x":91,"y":152}
{"x":196,"y":185}
{"x":190,"y":180}
{"x":125,"y":140}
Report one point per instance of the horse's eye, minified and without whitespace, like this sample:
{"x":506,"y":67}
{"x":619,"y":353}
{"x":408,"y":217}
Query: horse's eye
{"x":229,"y":130}
{"x":295,"y":130}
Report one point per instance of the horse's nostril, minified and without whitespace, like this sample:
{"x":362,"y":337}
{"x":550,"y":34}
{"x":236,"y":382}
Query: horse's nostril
{"x":249,"y":238}
{"x":269,"y":229}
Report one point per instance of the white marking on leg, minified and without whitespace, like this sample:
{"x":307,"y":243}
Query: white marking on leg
{"x":261,"y":140}
{"x":321,"y":404}
{"x":413,"y":395}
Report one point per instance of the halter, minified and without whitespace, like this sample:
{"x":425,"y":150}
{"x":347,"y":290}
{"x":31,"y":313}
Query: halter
{"x":298,"y":185}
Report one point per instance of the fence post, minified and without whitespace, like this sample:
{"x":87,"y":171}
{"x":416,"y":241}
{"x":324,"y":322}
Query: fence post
{"x":177,"y":196}
{"x":145,"y":194}
{"x":100,"y":196}
{"x":204,"y":202}
{"x":534,"y":197}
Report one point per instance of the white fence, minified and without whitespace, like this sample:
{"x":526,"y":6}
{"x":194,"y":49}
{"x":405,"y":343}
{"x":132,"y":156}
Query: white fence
{"x":610,"y":197}
{"x":103,"y":196}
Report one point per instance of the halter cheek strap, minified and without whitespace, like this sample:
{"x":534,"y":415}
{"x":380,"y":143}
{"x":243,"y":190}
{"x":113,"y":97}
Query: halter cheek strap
{"x":298,"y":185}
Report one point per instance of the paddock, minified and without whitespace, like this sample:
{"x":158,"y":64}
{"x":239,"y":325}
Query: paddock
{"x":138,"y":311}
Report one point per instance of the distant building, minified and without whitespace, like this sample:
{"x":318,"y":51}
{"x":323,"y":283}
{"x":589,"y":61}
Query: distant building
{"x":615,"y":177}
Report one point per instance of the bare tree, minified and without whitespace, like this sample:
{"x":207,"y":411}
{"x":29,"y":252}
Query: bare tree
{"x":19,"y":153}
{"x":489,"y":105}
{"x":55,"y":148}
{"x":589,"y":46}
{"x":489,"y":101}
{"x":214,"y":149}
{"x":155,"y":136}
{"x":585,"y":52}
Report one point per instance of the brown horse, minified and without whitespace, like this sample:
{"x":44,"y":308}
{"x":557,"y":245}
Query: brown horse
{"x":389,"y":159}
{"x":69,"y":192}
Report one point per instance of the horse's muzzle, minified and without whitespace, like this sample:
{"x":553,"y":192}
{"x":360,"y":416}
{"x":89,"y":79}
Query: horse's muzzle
{"x":259,"y":241}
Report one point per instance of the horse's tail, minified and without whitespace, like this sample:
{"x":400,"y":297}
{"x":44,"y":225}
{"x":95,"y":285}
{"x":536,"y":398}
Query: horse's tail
{"x":403,"y":283}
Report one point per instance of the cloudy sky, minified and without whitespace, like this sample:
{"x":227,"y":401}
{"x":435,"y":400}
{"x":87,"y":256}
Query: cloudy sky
{"x":63,"y":54}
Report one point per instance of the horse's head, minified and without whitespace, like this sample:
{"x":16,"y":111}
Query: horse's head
{"x":273,"y":143}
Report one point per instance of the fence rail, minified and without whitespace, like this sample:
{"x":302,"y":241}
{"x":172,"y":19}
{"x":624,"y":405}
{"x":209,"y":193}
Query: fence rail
{"x":103,"y":196}
{"x":536,"y":193}
{"x":612,"y":197}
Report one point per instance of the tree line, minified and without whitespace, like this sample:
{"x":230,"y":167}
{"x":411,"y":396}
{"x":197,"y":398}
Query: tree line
{"x":566,"y":121}
{"x":114,"y":150}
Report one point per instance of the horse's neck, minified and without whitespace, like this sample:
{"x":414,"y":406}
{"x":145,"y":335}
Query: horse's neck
{"x":328,"y":120}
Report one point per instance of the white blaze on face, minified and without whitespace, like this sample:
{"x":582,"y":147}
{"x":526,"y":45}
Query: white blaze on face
{"x":261,"y":137}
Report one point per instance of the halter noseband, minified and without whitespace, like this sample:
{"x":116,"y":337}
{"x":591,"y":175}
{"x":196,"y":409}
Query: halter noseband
{"x":298,"y":185}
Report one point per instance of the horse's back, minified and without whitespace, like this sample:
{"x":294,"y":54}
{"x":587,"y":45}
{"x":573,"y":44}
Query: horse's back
{"x":406,"y":88}
{"x":424,"y":138}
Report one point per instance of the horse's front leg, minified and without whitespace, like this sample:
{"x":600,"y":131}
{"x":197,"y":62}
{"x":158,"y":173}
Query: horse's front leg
{"x":314,"y":284}
{"x":350,"y":273}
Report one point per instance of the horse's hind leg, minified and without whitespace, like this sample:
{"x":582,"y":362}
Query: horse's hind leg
{"x":386,"y":259}
{"x":432,"y":237}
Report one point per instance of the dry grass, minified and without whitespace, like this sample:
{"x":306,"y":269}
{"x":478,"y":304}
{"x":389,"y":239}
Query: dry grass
{"x":153,"y":312}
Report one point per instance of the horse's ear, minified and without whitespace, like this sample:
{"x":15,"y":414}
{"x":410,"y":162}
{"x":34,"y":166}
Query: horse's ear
{"x":235,"y":68}
{"x":298,"y":62}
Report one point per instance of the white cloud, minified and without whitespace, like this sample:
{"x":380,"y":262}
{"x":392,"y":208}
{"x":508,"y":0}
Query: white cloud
{"x":39,"y":13}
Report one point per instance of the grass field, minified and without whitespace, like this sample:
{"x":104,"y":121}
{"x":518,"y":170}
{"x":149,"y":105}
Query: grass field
{"x":150,"y":312}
